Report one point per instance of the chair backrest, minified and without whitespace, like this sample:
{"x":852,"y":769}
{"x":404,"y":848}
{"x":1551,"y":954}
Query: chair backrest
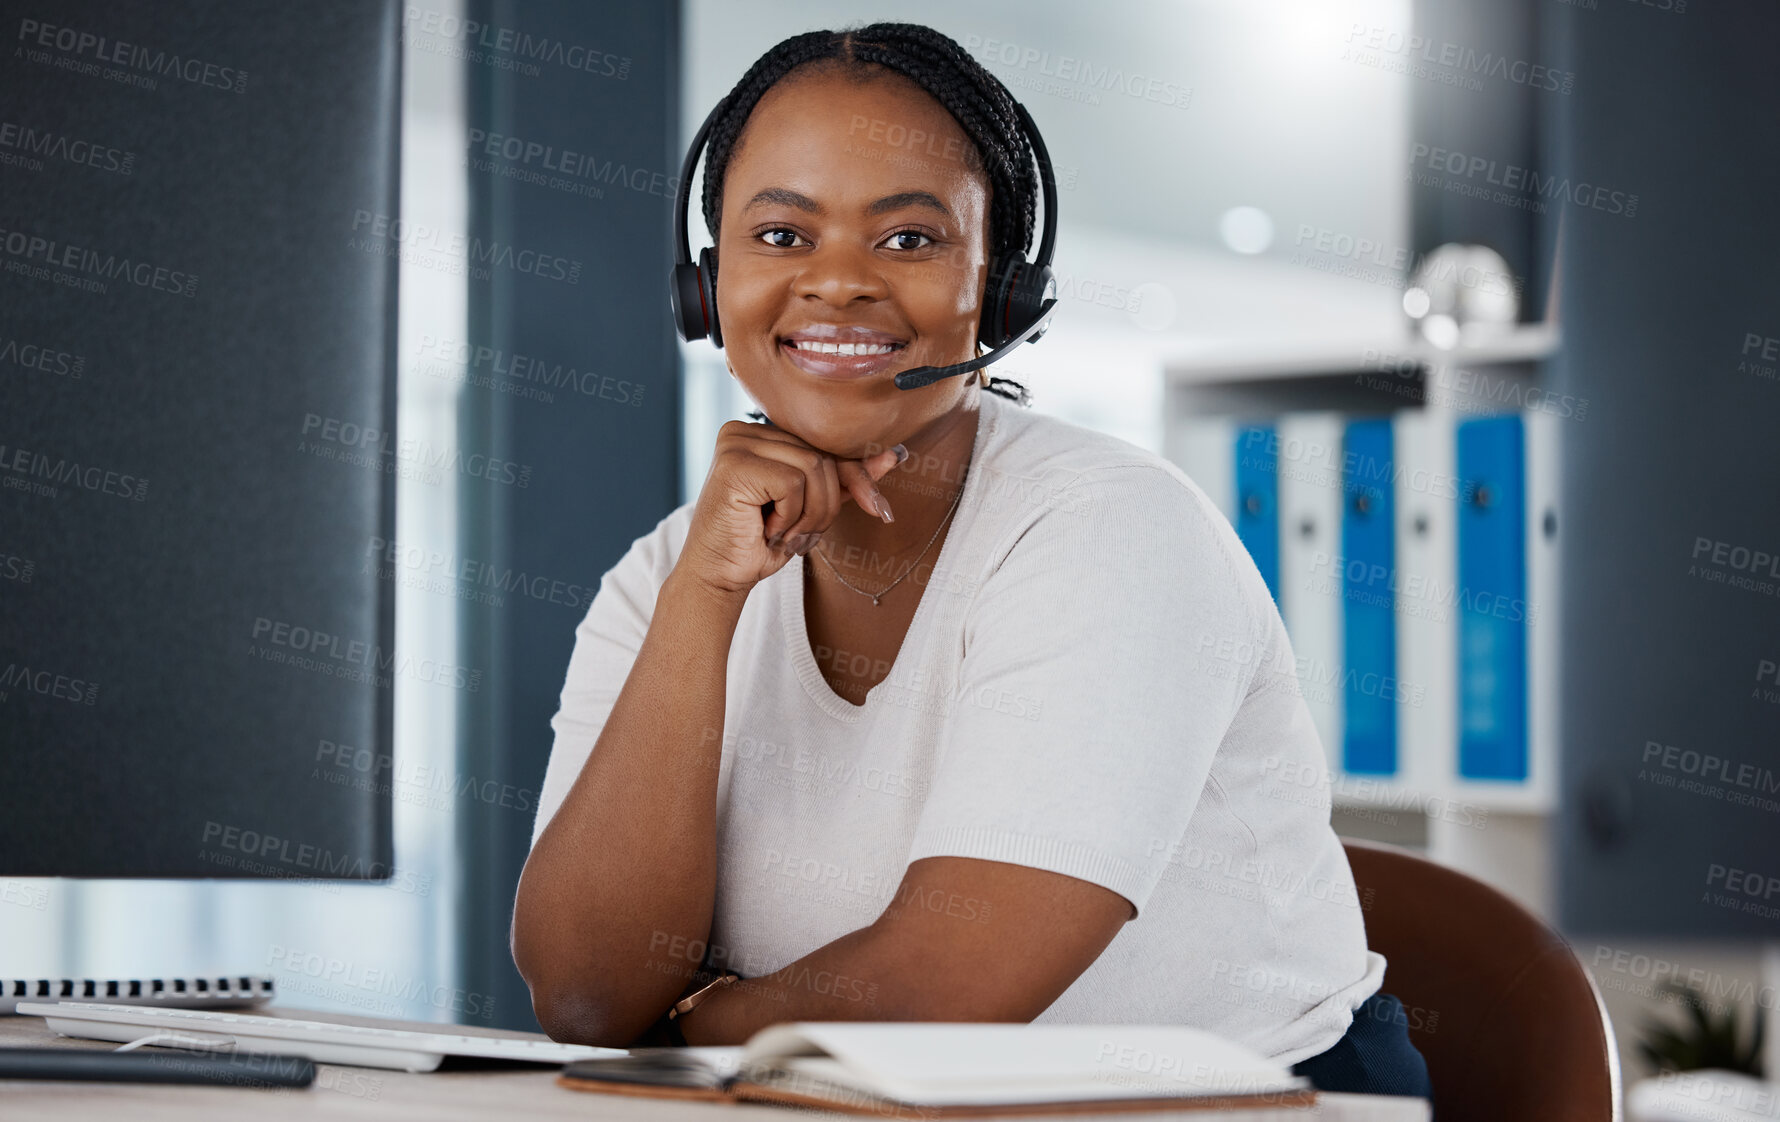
{"x":1505,"y":1014}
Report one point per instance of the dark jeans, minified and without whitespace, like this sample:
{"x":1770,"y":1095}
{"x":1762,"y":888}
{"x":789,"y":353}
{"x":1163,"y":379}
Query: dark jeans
{"x":1374,"y":1058}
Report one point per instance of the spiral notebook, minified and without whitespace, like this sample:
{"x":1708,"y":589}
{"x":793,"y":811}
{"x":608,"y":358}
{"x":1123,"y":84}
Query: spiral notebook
{"x":241,"y":991}
{"x":922,"y":1070}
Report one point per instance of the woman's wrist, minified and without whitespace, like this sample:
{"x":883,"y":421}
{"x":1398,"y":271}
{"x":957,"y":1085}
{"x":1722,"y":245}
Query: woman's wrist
{"x":682,"y":587}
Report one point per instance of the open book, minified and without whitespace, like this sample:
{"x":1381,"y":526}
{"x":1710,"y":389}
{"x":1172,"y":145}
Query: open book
{"x":921,"y":1070}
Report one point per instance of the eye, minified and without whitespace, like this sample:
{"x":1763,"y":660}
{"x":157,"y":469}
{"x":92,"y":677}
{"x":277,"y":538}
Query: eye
{"x":895,"y":243}
{"x":779,"y":232}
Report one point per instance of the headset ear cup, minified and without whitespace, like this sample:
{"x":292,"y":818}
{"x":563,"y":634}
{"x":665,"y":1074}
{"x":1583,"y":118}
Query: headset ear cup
{"x":1015,"y":297}
{"x":1026,"y":299}
{"x":991,"y":330}
{"x":707,"y":272}
{"x":686,"y":289}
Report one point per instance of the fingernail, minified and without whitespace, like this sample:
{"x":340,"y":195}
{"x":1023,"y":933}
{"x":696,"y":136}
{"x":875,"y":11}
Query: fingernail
{"x":877,"y":500}
{"x":807,"y":542}
{"x":901,"y":453}
{"x":773,"y":542}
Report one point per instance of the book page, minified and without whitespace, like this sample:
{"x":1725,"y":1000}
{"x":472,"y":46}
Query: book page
{"x":960,"y":1064}
{"x":700,"y":1066}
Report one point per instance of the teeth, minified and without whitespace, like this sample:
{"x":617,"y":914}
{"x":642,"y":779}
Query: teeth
{"x":844,"y":348}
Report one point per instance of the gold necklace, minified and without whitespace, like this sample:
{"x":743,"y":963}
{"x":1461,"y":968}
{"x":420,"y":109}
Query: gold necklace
{"x":878,"y":595}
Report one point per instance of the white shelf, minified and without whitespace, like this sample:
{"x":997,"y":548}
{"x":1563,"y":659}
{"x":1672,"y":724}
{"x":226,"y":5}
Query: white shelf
{"x":1249,"y":361}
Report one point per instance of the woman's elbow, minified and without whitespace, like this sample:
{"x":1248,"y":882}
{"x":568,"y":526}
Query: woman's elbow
{"x":564,"y":1006}
{"x":575,"y":1001}
{"x":572,"y":1016}
{"x":575,"y":1018}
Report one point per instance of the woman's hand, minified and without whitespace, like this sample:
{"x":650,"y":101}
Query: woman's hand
{"x":768,"y":497}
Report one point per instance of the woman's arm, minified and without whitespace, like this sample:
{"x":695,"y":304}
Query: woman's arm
{"x":630,"y":858}
{"x":627,"y":864}
{"x":964,"y":939}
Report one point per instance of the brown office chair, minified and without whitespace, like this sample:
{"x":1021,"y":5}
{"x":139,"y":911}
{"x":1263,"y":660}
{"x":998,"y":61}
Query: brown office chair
{"x":1507,"y":1017}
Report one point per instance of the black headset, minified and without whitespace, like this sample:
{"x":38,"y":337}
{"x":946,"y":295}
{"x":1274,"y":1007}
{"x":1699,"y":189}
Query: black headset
{"x":1017,"y":304}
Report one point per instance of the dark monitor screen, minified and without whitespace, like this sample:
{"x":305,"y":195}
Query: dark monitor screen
{"x":197,"y":449}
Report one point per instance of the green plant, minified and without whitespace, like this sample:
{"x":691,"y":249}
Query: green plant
{"x":1703,"y":1040}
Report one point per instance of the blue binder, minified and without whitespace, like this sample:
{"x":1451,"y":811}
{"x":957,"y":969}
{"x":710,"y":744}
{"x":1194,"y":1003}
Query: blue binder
{"x":1257,"y":499}
{"x":1369,"y":631}
{"x":1492,"y":639}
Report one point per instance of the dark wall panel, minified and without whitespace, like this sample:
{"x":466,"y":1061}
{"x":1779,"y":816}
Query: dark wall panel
{"x":572,"y":151}
{"x":1671,"y":616}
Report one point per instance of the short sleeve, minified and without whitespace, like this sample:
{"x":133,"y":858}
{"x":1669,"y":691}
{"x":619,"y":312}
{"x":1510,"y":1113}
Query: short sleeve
{"x":606,"y":645}
{"x":1090,"y":702}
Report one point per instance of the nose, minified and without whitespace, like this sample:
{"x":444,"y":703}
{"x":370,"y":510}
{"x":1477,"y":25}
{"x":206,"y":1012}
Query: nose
{"x":840,"y":273}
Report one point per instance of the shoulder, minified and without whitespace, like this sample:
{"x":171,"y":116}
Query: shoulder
{"x":1103,"y":467}
{"x":625,"y":600}
{"x":1055,"y":481}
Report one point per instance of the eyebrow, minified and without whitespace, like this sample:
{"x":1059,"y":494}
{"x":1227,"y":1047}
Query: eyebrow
{"x":788,"y":197}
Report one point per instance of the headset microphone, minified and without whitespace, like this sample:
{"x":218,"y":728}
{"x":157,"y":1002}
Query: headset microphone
{"x":1018,"y":301}
{"x":927,"y":375}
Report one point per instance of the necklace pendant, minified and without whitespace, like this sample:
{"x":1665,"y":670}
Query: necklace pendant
{"x":874,"y":601}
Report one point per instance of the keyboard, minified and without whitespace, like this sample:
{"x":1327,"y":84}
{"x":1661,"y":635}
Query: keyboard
{"x":321,"y":1041}
{"x":240,"y":992}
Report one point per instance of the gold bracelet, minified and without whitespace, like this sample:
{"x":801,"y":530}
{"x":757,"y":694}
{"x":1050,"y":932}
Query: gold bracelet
{"x":690,"y":1002}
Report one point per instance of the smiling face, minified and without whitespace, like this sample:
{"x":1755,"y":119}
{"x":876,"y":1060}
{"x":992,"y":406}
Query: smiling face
{"x":854,"y":218}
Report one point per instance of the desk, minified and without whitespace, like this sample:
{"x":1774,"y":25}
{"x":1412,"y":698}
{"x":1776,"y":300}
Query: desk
{"x":396,"y":1096}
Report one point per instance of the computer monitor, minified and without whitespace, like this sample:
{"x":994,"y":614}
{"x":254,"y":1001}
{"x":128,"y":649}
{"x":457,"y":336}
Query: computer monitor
{"x":198,"y":460}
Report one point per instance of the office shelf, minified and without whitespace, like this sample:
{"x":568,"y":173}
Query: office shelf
{"x":1250,"y":362}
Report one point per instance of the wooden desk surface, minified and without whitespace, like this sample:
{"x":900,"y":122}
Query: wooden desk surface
{"x":442,"y":1096}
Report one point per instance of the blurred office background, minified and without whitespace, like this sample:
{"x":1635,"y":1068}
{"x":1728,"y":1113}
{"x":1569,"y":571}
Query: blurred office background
{"x":1245,"y":189}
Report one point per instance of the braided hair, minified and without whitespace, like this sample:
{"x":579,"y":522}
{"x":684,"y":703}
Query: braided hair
{"x":975,"y":98}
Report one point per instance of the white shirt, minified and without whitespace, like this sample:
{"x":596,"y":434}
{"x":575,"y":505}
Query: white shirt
{"x":1095,"y":682}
